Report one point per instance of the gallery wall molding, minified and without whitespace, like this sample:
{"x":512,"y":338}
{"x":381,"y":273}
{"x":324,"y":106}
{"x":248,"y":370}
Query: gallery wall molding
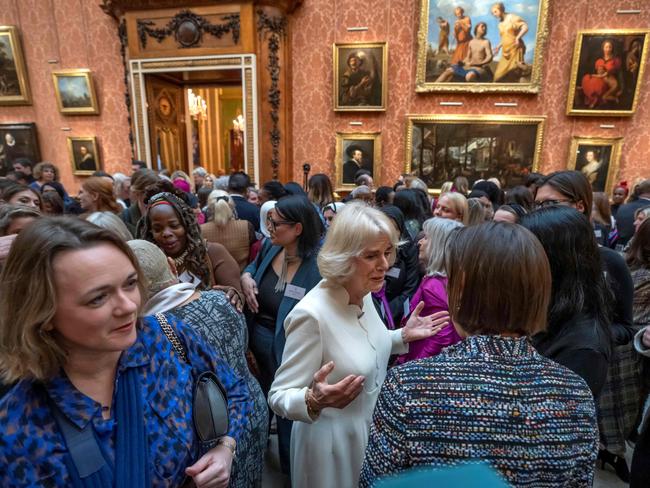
{"x":274,"y":28}
{"x":117,"y":8}
{"x":188,"y":29}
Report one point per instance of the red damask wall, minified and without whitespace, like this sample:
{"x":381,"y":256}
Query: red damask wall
{"x":317,"y":24}
{"x":77,"y":34}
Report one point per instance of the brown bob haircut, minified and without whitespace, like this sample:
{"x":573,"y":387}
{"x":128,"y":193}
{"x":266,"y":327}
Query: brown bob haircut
{"x":499,"y":280}
{"x":28,"y":295}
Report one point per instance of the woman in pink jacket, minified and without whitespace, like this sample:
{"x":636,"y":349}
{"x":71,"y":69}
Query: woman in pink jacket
{"x":433,"y":287}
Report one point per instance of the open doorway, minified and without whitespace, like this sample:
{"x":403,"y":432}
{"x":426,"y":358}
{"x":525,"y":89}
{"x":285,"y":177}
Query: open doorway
{"x":196,"y":118}
{"x":198,"y":111}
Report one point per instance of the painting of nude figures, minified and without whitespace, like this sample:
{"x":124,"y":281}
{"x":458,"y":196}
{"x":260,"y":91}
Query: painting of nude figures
{"x":481,"y":45}
{"x":607,"y":71}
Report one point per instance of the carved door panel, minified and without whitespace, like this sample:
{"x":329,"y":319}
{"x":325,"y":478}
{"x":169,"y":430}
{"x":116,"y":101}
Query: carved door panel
{"x":166,"y":112}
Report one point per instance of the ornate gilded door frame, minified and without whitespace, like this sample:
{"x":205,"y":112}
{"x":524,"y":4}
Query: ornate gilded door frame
{"x":138,"y":68}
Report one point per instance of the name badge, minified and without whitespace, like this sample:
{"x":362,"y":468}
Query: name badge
{"x":393,"y":272}
{"x":293,"y":291}
{"x":598,"y":233}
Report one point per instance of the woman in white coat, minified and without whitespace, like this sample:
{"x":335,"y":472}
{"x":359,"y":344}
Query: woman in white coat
{"x":337,"y":350}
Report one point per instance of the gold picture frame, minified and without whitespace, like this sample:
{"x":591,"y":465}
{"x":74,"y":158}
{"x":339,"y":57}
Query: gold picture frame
{"x":84,"y":163}
{"x":607,"y":87}
{"x":440,"y":148}
{"x":75,"y":92}
{"x":525,"y":77}
{"x":347,"y":144}
{"x":604,"y":160}
{"x":362,"y":86}
{"x":14,"y":83}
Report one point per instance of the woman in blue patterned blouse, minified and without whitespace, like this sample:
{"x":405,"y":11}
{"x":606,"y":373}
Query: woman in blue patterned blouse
{"x":71,"y":339}
{"x":491,"y":397}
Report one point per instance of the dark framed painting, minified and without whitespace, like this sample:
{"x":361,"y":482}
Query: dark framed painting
{"x":75,"y":92}
{"x":440,"y":148}
{"x":84,"y":155}
{"x":607,"y":71}
{"x":18,"y":141}
{"x":481,"y":46}
{"x":598,"y":159}
{"x":355,"y":152}
{"x":360,"y":76}
{"x":14,"y":85}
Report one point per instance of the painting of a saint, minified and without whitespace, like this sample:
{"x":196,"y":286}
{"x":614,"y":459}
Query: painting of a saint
{"x":360,"y":76}
{"x":493,"y":47}
{"x":606,"y":71}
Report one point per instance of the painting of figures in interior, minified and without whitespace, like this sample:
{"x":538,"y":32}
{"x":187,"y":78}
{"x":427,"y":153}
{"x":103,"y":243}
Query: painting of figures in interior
{"x":481,"y":45}
{"x":607,"y":71}
{"x":440,"y":148}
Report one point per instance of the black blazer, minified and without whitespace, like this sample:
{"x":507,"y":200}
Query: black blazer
{"x":247,"y":211}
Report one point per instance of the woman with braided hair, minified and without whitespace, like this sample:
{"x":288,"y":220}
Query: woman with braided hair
{"x":171,"y":225}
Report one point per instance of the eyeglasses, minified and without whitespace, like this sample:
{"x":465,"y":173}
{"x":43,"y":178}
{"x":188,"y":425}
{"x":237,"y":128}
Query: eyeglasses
{"x":550,"y":203}
{"x":273,"y":224}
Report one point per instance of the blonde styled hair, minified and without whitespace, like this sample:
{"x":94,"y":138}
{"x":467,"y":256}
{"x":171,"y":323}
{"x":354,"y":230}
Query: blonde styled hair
{"x":446,"y":187}
{"x":28,"y":295}
{"x":354,"y":228}
{"x":458,"y":203}
{"x":221,"y":207}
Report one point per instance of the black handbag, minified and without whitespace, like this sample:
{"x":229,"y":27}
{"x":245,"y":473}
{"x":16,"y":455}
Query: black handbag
{"x":210,"y":401}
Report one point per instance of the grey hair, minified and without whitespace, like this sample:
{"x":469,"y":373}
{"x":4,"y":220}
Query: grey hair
{"x":110,"y":221}
{"x":437,"y":231}
{"x":199,"y":171}
{"x":221,"y":183}
{"x":355,"y":227}
{"x":154,"y":266}
{"x":118,"y":182}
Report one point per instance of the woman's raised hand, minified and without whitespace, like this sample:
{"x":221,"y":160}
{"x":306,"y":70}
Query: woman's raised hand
{"x":418,"y":327}
{"x":338,"y":395}
{"x":249,"y":287}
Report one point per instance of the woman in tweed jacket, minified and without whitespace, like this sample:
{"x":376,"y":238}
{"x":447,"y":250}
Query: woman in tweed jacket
{"x":491,"y":397}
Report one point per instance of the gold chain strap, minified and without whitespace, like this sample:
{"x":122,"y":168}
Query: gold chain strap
{"x":171,"y":335}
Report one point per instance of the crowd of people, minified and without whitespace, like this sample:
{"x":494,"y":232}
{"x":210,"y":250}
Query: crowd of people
{"x":375,"y":332}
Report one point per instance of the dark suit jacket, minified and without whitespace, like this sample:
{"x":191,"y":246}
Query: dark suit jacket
{"x":247,"y":211}
{"x":625,"y":218}
{"x":306,"y":277}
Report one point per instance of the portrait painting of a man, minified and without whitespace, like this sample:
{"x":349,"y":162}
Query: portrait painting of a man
{"x":360,"y":76}
{"x":356,"y":152}
{"x":606,"y":72}
{"x":83,"y":155}
{"x":597,"y":159}
{"x":481,"y":45}
{"x":17,"y":141}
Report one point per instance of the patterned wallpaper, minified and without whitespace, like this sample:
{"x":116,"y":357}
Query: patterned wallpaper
{"x":319,"y":23}
{"x":77,"y":34}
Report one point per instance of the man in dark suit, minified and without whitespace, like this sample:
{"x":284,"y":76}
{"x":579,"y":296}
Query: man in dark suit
{"x":354,"y":164}
{"x":238,"y":185}
{"x":625,"y":214}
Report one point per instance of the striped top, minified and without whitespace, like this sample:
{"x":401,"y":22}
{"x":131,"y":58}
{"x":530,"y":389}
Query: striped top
{"x":486,"y":398}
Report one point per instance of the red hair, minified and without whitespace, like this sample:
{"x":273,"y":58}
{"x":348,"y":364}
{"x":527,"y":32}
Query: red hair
{"x":104,"y":190}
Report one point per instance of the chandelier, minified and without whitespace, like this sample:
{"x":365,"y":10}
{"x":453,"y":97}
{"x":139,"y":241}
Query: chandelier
{"x":238,"y":123}
{"x":197,"y":105}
